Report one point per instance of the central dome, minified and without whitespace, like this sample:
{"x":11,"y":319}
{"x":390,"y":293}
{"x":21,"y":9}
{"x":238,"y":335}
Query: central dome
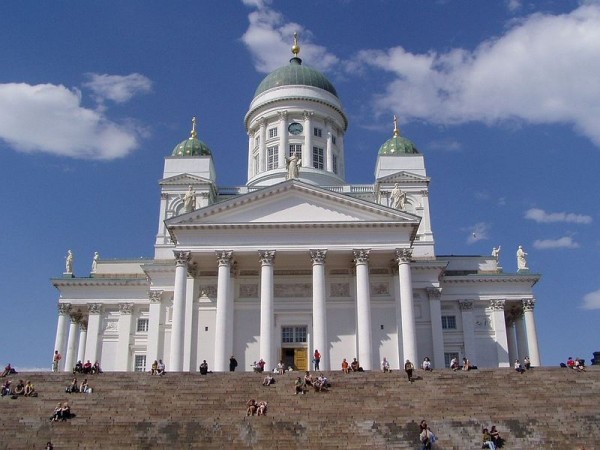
{"x":295,"y":74}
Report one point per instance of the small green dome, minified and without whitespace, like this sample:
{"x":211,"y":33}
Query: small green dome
{"x":192,"y":146}
{"x":398,"y":146}
{"x":295,"y":74}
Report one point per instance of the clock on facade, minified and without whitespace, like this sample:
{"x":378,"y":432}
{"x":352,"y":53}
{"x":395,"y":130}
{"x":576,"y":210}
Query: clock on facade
{"x":295,"y":128}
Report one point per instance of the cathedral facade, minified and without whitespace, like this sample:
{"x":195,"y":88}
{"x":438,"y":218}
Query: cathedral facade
{"x":295,"y":260}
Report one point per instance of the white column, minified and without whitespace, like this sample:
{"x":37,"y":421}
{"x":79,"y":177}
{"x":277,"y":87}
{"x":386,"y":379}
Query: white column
{"x":222,"y":353}
{"x":341,"y":157}
{"x":190,"y":335}
{"x":329,"y":154}
{"x":61,"y":331}
{"x":230,"y":295}
{"x":161,"y":235}
{"x":72,"y":343}
{"x":250,"y":156}
{"x":532,"y":340}
{"x":267,"y":319}
{"x":437,"y":335}
{"x":307,"y":155}
{"x":522,"y":348}
{"x":283,"y":139}
{"x":91,"y":345}
{"x":466,"y":309}
{"x":511,"y":339}
{"x":363,"y":309}
{"x":82,"y":341}
{"x":409,"y":332}
{"x":181,"y":262}
{"x":262,"y":145}
{"x":125,"y":317}
{"x":155,"y":328}
{"x":319,"y":313}
{"x":501,"y":337}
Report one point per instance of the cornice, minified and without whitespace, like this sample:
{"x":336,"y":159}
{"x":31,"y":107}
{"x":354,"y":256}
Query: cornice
{"x":513,"y":278}
{"x":66,"y":282}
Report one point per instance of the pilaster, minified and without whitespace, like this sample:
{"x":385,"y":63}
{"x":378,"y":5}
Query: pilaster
{"x":363,"y":309}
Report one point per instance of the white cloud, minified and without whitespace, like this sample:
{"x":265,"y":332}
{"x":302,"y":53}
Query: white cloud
{"x":563,"y":242}
{"x":49,"y":118}
{"x":541,"y":216}
{"x":269,"y":39}
{"x":591,"y":300}
{"x":513,"y":5}
{"x":478,"y":232}
{"x":543,"y":70}
{"x":118,"y":88}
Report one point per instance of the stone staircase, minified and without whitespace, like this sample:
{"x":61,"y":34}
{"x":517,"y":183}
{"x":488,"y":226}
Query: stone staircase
{"x":552,"y":408}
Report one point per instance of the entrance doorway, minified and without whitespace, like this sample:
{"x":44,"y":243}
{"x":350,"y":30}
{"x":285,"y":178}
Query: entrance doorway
{"x":297,"y":358}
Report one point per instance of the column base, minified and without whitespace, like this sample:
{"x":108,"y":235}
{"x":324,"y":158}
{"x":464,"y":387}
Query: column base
{"x":68,"y":275}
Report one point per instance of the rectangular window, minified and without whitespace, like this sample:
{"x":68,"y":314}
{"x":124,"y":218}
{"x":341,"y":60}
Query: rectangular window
{"x":448,"y":322}
{"x":334,"y":163}
{"x":317,"y":132}
{"x":272,"y":132}
{"x":333,"y":139}
{"x":296,"y":149}
{"x":448,"y":357}
{"x":272,"y":157}
{"x":142,"y":325}
{"x":317,"y":158}
{"x":140,"y":363}
{"x":292,"y":335}
{"x":300,"y":334}
{"x":287,"y":334}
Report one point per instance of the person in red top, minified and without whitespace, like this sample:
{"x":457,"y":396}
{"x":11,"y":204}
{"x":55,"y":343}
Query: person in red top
{"x":316,"y":359}
{"x":571,"y":363}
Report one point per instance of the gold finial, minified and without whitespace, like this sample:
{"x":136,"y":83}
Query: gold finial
{"x":396,"y":130}
{"x":295,"y":47}
{"x":193,"y":133}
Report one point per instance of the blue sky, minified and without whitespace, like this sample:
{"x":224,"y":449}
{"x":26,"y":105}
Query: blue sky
{"x":502,"y":98}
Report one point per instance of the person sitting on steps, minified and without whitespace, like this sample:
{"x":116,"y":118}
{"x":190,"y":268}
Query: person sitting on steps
{"x":251,"y":407}
{"x":345,"y":366}
{"x":299,"y":386}
{"x":204,"y":368}
{"x":268,"y":380}
{"x":308,"y":379}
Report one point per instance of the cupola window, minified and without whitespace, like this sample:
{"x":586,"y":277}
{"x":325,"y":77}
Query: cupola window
{"x":296,"y":149}
{"x":272,"y":157}
{"x":272,"y":133}
{"x":318,"y":132}
{"x":318,"y":158}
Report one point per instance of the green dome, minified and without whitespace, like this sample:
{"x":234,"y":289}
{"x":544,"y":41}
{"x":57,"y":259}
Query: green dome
{"x":295,"y":74}
{"x":191,"y":147}
{"x":398,"y":146}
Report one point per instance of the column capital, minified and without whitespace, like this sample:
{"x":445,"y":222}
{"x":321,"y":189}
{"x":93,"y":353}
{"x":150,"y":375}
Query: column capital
{"x":318,"y":256}
{"x":182,"y":257}
{"x":83,"y":325}
{"x":528,"y":304}
{"x":403,"y":255}
{"x":465,"y":305}
{"x":282,"y":114}
{"x":262,"y":122}
{"x":224,"y":257}
{"x":266,"y":257}
{"x":75,"y":316}
{"x":308,"y":114}
{"x":434,"y":293}
{"x":94,"y":308}
{"x":155,"y":296}
{"x":497,"y":304}
{"x":193,"y":270}
{"x":361,"y":255}
{"x":125,"y":308}
{"x":164,"y":195}
{"x":64,"y":308}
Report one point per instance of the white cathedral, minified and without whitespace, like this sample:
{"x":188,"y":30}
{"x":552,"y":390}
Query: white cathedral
{"x":295,"y":260}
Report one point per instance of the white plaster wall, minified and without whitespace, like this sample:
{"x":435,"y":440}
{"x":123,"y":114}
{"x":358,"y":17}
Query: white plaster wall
{"x":246,"y":333}
{"x":385,"y":342}
{"x":342,"y":334}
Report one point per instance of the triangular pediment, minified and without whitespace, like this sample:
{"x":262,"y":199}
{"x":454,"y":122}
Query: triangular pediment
{"x":403,"y":177}
{"x":293,"y":202}
{"x":184,"y":179}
